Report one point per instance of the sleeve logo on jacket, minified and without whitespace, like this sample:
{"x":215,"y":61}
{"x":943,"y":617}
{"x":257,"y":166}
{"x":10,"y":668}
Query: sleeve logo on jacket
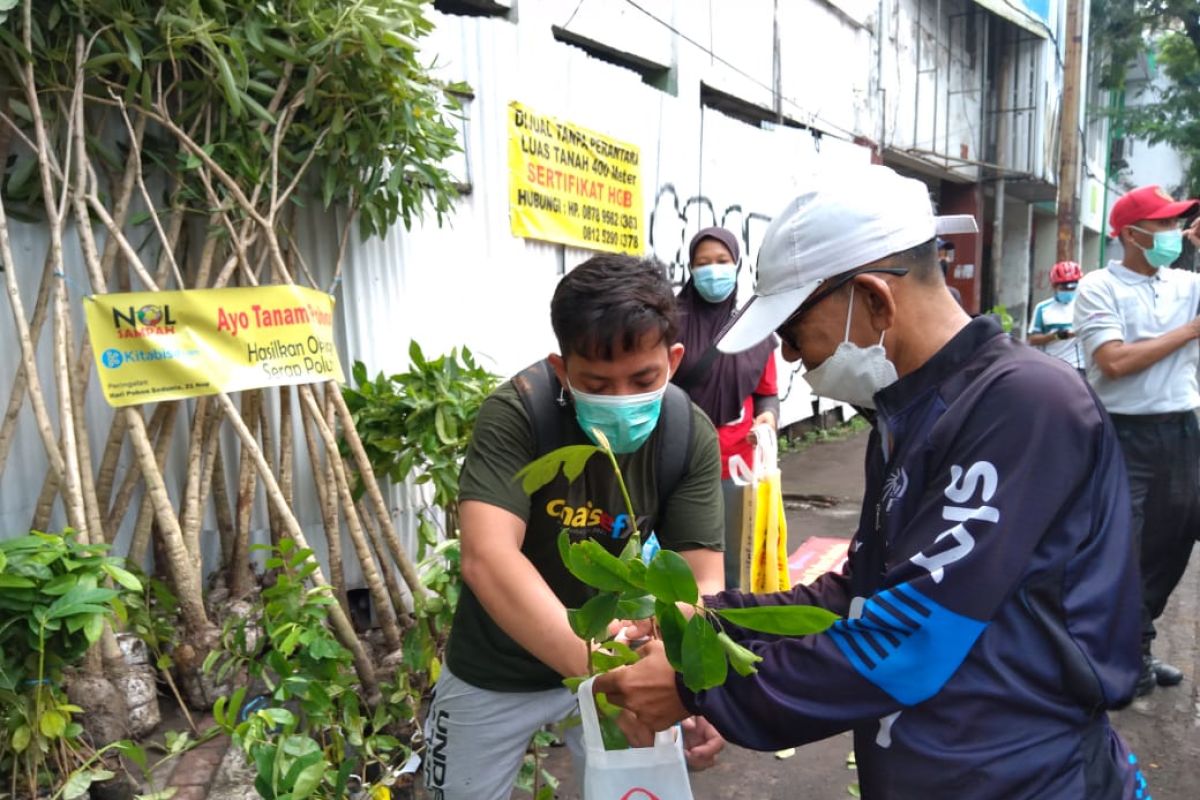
{"x":981,"y":478}
{"x":894,"y":489}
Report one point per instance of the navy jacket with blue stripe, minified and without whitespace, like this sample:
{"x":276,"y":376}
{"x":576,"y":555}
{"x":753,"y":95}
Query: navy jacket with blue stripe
{"x":991,"y":595}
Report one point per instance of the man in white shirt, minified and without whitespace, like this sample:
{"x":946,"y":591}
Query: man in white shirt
{"x":1052,"y":329}
{"x":1139,"y":327}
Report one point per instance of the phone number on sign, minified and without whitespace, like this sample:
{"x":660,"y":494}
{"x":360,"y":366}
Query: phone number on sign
{"x":627,"y":241}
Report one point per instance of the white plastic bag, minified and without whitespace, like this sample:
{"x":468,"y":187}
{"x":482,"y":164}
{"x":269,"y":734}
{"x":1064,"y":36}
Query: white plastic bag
{"x":763,"y":554}
{"x":658,"y":772}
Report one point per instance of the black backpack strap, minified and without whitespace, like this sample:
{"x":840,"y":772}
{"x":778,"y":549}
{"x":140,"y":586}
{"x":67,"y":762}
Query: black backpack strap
{"x":542,"y":396}
{"x":697,"y":372}
{"x":674,"y":443}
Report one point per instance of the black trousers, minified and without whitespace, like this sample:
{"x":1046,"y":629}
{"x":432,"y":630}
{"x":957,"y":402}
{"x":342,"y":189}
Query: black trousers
{"x":1162,"y":455}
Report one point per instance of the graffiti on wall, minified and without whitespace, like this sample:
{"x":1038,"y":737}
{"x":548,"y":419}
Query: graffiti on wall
{"x":673,"y":222}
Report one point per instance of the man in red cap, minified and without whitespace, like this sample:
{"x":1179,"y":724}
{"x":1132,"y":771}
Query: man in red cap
{"x":1139,"y":328}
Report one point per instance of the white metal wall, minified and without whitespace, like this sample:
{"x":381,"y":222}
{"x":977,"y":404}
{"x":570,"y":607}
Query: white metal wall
{"x":472,"y":282}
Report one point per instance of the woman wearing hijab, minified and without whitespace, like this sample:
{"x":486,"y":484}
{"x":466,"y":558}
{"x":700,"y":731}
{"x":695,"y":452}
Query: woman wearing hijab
{"x":737,"y":391}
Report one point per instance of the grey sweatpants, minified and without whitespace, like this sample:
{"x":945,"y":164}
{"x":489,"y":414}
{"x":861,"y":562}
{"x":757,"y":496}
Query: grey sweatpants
{"x":476,"y":738}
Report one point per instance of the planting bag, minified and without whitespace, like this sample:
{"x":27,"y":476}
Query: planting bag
{"x":763,"y":551}
{"x":658,"y":772}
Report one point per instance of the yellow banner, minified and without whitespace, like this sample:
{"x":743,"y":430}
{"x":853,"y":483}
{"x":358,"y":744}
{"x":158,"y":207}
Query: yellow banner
{"x":153,"y":346}
{"x":572,"y":185}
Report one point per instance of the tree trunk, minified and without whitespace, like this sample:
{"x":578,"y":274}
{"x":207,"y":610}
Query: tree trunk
{"x":182,"y":570}
{"x":241,"y":577}
{"x":340,"y":622}
{"x":322,"y":474}
{"x":367,"y":475}
{"x":192,"y":511}
{"x":120,"y":503}
{"x":107,"y":473}
{"x":144,"y":524}
{"x":384,"y":610}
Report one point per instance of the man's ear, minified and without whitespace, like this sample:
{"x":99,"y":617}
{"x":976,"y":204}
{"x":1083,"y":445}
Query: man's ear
{"x":674,"y":356}
{"x":560,"y":368}
{"x":881,"y":303}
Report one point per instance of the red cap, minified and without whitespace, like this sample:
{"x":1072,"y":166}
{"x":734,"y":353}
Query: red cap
{"x":1147,"y":202}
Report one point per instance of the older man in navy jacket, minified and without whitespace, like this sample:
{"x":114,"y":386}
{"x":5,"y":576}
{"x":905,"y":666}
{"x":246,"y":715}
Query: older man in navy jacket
{"x":988,"y":621}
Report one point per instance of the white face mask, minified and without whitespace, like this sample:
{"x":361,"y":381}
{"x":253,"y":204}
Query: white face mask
{"x":853,"y":374}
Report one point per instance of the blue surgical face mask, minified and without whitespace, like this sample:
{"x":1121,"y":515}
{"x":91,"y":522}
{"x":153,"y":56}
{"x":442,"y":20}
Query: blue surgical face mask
{"x":1167,"y":247}
{"x":1065,"y":296}
{"x":715,"y":282}
{"x":626,"y":420}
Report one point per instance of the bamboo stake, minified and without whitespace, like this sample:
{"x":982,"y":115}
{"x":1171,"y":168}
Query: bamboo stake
{"x":338,"y":618}
{"x":384,"y":609}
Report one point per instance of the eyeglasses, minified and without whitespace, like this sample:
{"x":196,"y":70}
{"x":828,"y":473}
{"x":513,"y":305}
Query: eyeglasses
{"x":827,"y":288}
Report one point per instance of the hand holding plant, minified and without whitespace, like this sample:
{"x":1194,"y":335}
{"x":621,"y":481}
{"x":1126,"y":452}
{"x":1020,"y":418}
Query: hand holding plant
{"x":662,"y":590}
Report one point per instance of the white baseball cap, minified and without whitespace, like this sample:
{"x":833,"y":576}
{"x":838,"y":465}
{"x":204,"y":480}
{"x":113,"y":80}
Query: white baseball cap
{"x":848,"y":219}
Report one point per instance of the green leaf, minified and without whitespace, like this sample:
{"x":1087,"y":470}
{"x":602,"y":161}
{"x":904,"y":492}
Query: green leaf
{"x":77,"y":784}
{"x":740,"y":658}
{"x":636,"y":607}
{"x":52,"y":724}
{"x":80,"y":600}
{"x":93,"y":626}
{"x":671,"y":625}
{"x":20,"y":738}
{"x":564,"y":547}
{"x":612,"y":655}
{"x":704,"y":664}
{"x":15,"y":582}
{"x":670,"y":579}
{"x":573,"y":682}
{"x":590,"y":622}
{"x":305,"y":774}
{"x":598,"y":568}
{"x":228,"y":85}
{"x":780,"y":620}
{"x":570,"y":459}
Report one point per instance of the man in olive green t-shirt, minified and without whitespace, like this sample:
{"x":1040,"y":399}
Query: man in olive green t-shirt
{"x":511,"y":645}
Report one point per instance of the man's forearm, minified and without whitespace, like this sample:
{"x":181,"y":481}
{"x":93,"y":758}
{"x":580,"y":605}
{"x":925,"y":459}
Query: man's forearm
{"x":1120,"y":359}
{"x":1041,"y":339}
{"x":518,"y":599}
